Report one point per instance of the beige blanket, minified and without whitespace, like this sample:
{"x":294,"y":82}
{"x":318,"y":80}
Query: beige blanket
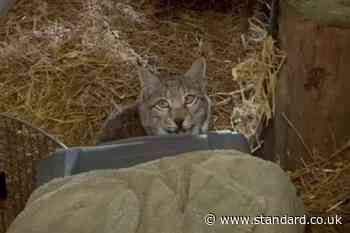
{"x":170,"y":195}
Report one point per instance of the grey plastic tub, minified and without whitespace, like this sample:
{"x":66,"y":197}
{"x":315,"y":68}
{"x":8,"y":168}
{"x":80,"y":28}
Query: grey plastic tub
{"x":5,"y":6}
{"x":126,"y":153}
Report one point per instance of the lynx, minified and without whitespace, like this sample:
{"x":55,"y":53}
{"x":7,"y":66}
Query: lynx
{"x":173,"y":104}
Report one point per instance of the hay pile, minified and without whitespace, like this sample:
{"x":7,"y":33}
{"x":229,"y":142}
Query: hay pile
{"x":256,"y":76}
{"x":64,"y":64}
{"x":324,"y":185}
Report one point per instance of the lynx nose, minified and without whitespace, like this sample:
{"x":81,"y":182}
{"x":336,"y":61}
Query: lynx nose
{"x":179,"y":122}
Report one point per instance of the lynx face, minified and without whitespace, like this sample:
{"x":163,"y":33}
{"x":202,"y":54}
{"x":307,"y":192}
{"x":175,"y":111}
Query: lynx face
{"x":177,"y":104}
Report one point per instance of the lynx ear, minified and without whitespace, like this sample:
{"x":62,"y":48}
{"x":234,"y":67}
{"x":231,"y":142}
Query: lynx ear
{"x":149,"y":82}
{"x":197,"y":72}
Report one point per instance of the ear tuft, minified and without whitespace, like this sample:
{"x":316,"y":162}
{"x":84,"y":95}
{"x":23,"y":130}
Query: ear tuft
{"x":197,"y":72}
{"x":149,"y":82}
{"x":147,"y":79}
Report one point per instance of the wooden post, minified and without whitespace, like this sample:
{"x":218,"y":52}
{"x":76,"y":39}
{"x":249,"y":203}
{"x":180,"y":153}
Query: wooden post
{"x":313,"y":91}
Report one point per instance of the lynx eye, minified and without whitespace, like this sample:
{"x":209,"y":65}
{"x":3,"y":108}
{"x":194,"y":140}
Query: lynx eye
{"x":162,"y":104}
{"x":190,"y":99}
